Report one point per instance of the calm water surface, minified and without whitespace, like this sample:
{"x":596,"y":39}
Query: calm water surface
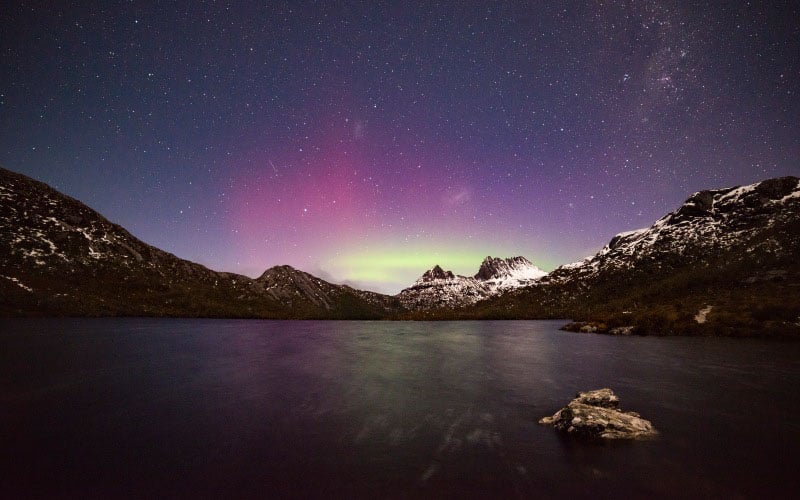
{"x":217,"y":408}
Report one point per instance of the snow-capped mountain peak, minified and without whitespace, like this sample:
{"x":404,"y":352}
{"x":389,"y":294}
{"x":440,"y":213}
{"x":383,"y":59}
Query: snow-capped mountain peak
{"x":439,"y":288}
{"x":707,"y":224}
{"x":437,"y":273}
{"x":513,"y":268}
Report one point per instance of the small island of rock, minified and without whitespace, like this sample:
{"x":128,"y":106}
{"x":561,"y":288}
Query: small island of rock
{"x":596,"y":414}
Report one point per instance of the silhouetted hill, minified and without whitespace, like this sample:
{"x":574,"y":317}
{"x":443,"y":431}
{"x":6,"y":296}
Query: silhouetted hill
{"x":60,"y":257}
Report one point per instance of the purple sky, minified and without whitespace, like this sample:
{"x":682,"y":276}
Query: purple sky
{"x":366,"y":142}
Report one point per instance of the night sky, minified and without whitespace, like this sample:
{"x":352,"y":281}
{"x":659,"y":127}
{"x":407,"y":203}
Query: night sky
{"x":366,"y":142}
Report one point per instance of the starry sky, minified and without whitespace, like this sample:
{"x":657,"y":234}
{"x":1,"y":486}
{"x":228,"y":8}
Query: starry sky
{"x":365,"y":142}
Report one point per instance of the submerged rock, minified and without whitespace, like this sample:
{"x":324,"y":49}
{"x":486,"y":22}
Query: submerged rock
{"x":596,"y":414}
{"x":585,"y":327}
{"x":622,"y":330}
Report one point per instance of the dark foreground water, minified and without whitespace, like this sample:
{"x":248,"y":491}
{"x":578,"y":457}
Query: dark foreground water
{"x":212,"y":408}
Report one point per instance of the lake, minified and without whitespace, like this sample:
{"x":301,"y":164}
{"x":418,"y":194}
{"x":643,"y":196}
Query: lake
{"x":241,"y":408}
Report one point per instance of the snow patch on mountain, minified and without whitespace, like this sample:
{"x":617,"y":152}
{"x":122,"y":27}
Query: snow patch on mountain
{"x":18,"y":283}
{"x":438,"y":288}
{"x":503,"y":274}
{"x":707,"y":223}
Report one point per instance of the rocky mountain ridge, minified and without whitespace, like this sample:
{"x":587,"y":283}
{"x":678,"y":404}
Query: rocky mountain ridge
{"x":60,"y":257}
{"x":725,"y":262}
{"x":707,"y":225}
{"x":503,"y":274}
{"x":438,"y":288}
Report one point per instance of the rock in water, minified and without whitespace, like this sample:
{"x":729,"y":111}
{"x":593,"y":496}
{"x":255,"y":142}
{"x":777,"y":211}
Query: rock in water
{"x":596,"y":414}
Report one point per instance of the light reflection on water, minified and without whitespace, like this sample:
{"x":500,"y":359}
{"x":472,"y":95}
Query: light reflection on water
{"x":124,"y":407}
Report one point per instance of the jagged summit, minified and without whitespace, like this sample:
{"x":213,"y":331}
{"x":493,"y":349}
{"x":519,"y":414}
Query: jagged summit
{"x":438,"y":288}
{"x":437,"y":273}
{"x":490,"y":268}
{"x":519,"y":268}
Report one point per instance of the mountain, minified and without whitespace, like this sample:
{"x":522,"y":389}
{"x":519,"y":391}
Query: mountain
{"x":299,"y":290}
{"x":710,"y":224}
{"x":503,"y":274}
{"x":60,"y":257}
{"x":727,"y":261}
{"x":440,"y":289}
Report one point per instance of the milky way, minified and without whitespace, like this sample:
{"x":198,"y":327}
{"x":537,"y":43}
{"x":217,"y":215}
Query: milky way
{"x":366,"y":142}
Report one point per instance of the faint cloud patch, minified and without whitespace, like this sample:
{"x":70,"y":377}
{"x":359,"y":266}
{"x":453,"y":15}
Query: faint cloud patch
{"x":359,"y":130}
{"x":457,"y":197}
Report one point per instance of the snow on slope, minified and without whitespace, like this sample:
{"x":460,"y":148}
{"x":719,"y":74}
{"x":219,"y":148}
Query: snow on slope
{"x":438,"y":288}
{"x":708,"y":222}
{"x":502,"y":274}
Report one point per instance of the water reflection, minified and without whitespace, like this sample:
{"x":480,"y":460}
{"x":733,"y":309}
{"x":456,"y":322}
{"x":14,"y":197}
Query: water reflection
{"x":203,"y":407}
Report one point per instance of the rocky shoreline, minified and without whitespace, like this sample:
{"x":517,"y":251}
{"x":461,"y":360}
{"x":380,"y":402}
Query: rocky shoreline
{"x":596,"y":327}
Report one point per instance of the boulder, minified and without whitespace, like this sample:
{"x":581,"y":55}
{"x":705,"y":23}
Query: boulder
{"x":596,"y":415}
{"x":698,"y":205}
{"x":622,"y":330}
{"x":585,"y":327}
